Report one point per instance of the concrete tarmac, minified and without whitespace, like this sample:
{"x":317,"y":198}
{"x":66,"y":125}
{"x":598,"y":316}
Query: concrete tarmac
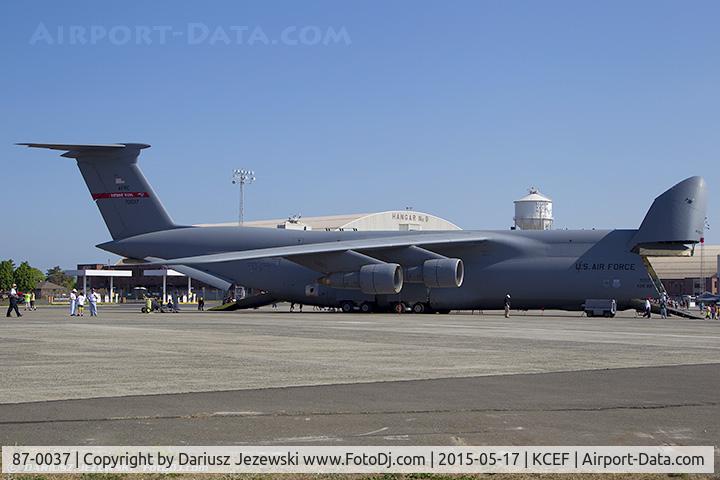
{"x":261,"y":377}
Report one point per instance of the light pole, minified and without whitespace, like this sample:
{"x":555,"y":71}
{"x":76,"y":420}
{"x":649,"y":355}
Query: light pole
{"x":241,"y":177}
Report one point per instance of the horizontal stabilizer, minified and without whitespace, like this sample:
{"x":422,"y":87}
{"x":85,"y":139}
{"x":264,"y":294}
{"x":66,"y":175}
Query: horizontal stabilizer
{"x":85,"y":147}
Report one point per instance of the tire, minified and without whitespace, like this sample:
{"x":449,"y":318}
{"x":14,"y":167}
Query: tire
{"x":366,"y":307}
{"x":399,"y":307}
{"x":347,"y":307}
{"x":589,"y":314}
{"x":419,"y":308}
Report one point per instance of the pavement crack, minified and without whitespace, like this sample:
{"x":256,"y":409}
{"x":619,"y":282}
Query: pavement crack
{"x":286,"y":414}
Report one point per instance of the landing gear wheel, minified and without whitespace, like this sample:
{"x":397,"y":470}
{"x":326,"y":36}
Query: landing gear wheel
{"x":366,"y":307}
{"x":419,"y":308}
{"x":347,"y":307}
{"x":399,"y":307}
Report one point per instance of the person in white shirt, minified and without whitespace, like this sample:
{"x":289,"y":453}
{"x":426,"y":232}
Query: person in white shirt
{"x":80,"y":300}
{"x":13,"y":302}
{"x":73,"y":302}
{"x":92,"y":300}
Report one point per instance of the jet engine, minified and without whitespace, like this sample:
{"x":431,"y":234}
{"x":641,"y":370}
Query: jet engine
{"x":374,"y":279}
{"x":443,"y":273}
{"x":438,"y":273}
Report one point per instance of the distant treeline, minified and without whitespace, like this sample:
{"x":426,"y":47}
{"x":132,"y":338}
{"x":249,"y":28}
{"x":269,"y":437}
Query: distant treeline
{"x":28,"y":277}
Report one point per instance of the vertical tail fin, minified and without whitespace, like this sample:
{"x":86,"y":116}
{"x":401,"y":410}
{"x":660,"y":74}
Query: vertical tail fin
{"x":675,"y":217}
{"x":125,"y":199}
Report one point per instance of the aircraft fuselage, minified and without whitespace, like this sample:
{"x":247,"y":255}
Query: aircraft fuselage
{"x":539,"y":269}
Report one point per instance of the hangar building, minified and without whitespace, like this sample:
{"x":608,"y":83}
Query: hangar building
{"x":389,"y":220}
{"x":685,"y":275}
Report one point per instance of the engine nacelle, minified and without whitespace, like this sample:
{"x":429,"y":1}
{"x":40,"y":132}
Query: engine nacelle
{"x":442,"y":272}
{"x":383,"y":278}
{"x":375,"y":279}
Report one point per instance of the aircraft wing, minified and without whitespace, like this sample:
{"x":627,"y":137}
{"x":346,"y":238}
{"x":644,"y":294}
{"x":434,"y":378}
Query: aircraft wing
{"x":214,"y":280}
{"x":360,"y":245}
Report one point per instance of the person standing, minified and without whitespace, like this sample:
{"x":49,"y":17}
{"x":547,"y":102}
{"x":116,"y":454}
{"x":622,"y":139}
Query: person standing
{"x":73,"y":302}
{"x":80,"y":304}
{"x":148,"y":304}
{"x":13,"y":302}
{"x":663,"y":306}
{"x":92,"y":300}
{"x":26,"y":299}
{"x":507,"y":305}
{"x":648,"y":308}
{"x":32,"y":301}
{"x":201,"y":304}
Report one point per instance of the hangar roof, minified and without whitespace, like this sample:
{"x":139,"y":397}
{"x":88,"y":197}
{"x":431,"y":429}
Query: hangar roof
{"x":388,"y":220}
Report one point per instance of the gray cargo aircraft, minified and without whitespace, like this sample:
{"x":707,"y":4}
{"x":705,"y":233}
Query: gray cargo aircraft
{"x":426,"y":271}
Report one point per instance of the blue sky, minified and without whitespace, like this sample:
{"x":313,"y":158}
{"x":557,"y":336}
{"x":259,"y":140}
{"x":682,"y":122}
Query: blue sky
{"x":454,"y":108}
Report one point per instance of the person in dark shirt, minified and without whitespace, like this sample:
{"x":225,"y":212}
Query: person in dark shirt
{"x":13,"y":302}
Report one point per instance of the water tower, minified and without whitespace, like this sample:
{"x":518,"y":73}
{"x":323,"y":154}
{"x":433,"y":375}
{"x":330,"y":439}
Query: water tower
{"x":533,"y":211}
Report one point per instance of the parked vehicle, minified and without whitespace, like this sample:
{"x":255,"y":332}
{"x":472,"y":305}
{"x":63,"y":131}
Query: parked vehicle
{"x":595,"y":307}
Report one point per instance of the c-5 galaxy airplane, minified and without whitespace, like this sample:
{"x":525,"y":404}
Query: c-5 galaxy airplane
{"x":426,"y":271}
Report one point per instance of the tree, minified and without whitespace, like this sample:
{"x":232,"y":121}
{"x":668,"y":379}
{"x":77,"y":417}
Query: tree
{"x":57,"y":276}
{"x":7,"y":268}
{"x":27,"y":277}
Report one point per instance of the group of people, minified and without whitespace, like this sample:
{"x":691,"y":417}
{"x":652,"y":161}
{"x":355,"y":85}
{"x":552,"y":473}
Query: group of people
{"x":28,"y":299}
{"x":78,"y":300}
{"x":172,"y":305}
{"x":712,"y":311}
{"x":664,"y":302}
{"x":663,"y":307}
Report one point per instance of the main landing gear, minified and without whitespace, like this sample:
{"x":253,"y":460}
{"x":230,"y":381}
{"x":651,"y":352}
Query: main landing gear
{"x":348,"y":306}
